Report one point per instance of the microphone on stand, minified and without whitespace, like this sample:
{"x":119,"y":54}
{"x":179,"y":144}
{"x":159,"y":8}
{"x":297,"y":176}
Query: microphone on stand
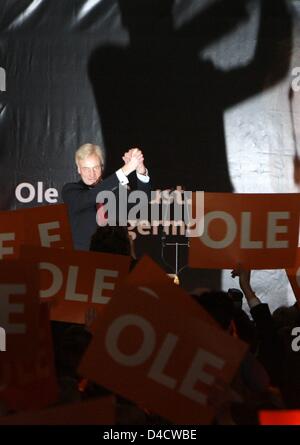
{"x":164,"y":216}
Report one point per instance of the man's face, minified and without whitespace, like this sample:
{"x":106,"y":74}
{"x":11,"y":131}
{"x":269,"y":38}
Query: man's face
{"x":90,"y":169}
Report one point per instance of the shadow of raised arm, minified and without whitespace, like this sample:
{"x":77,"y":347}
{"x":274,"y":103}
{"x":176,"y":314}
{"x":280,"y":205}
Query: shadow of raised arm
{"x":271,"y":60}
{"x":201,"y":30}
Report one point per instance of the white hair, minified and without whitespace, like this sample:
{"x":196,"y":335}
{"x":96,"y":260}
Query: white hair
{"x":86,"y":150}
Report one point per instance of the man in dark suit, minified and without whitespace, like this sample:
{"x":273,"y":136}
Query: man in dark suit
{"x":81,"y":196}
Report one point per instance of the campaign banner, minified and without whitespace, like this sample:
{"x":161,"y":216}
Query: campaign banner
{"x":46,"y":226}
{"x":159,"y":354}
{"x":151,"y":279}
{"x":280,"y":417}
{"x":28,"y":382}
{"x":19,"y":306}
{"x":75,"y":281}
{"x":12,"y":234}
{"x":257,"y":231}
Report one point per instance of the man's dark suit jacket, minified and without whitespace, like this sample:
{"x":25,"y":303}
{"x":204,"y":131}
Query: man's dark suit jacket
{"x":81,"y":201}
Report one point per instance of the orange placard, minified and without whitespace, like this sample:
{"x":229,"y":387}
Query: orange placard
{"x":91,"y":412}
{"x":76,"y":281}
{"x":150,"y":274}
{"x":147,"y":274}
{"x":160,"y":356}
{"x":29,"y":382}
{"x":46,"y":226}
{"x":19,"y":306}
{"x":293,"y":274}
{"x":282,"y":417}
{"x":12,"y":234}
{"x":257,"y":231}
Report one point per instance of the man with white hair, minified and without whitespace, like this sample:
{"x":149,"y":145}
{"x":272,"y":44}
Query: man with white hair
{"x":81,"y":196}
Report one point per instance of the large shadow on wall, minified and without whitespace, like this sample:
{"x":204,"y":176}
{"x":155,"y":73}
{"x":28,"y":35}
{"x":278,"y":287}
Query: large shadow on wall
{"x":156,"y":93}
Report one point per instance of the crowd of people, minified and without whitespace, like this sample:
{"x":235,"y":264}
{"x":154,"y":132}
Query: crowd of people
{"x":268,"y":376}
